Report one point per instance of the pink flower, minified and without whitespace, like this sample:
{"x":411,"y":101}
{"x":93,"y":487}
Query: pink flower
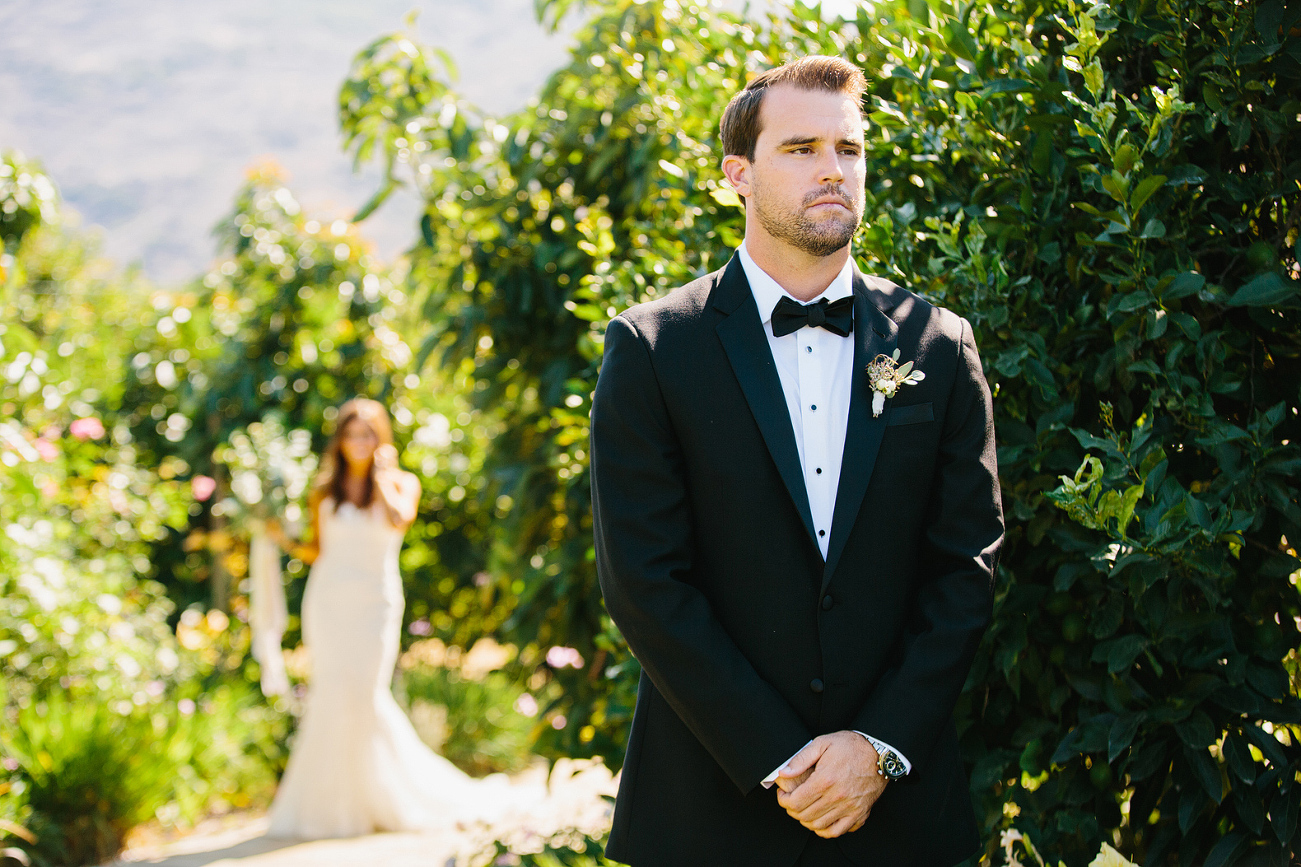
{"x":46,"y":449}
{"x":202,"y":487}
{"x":89,"y":428}
{"x":559,"y":657}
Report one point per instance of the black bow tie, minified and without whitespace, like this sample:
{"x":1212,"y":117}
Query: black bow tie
{"x":790,"y":316}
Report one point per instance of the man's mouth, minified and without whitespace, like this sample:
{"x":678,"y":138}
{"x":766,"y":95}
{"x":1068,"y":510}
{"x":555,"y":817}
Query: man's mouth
{"x":829,"y":198}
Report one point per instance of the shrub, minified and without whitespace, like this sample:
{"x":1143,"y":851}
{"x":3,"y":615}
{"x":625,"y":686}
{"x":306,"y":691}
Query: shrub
{"x":1110,"y":195}
{"x":482,"y":730}
{"x":567,"y":848}
{"x":88,"y":774}
{"x":107,"y":720}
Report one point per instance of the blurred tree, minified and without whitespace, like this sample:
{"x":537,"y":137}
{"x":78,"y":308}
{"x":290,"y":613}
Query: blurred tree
{"x":294,"y":319}
{"x":91,"y":674}
{"x":538,"y":229}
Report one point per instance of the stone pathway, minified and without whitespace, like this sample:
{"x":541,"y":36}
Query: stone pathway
{"x":574,"y":800}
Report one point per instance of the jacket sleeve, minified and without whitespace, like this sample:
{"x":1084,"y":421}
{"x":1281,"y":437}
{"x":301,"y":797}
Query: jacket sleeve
{"x":913,"y":701}
{"x":644,"y":556}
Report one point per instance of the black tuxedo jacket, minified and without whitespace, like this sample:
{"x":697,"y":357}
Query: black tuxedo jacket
{"x":750,"y":643}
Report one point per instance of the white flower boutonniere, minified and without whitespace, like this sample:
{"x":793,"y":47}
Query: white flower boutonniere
{"x":887,"y":375}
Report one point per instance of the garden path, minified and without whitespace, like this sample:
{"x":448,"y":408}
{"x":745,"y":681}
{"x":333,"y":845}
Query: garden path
{"x":574,"y":800}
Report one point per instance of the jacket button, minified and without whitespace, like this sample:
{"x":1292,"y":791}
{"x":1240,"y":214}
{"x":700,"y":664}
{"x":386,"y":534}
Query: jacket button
{"x":816,"y":685}
{"x":827,"y":602}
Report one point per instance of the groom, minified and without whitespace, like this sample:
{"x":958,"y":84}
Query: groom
{"x":799,"y":552}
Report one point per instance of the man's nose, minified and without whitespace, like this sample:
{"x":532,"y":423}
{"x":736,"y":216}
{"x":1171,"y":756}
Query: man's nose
{"x":830,"y":169}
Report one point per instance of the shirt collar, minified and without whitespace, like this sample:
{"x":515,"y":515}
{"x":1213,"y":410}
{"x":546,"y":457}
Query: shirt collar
{"x":767,"y":291}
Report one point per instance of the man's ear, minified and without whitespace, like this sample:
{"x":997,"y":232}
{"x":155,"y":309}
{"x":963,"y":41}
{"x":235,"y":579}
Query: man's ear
{"x":737,"y":171}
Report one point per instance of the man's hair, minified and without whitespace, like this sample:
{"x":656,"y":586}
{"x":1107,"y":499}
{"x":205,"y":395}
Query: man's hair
{"x":740,"y":126}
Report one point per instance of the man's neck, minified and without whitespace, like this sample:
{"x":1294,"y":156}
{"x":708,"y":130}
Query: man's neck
{"x":801,"y":274}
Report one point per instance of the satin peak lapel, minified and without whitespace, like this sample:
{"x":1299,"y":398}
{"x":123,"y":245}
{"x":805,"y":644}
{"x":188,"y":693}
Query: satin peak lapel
{"x":874,"y":334}
{"x":741,"y":333}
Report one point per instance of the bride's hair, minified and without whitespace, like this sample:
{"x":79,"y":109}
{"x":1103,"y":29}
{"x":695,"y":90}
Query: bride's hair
{"x":329,"y":481}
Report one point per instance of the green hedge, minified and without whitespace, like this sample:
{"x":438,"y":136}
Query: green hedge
{"x":1110,"y":194}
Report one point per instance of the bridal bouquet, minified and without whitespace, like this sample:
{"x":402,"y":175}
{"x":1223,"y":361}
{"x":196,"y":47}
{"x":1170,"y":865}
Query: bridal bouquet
{"x":270,"y":470}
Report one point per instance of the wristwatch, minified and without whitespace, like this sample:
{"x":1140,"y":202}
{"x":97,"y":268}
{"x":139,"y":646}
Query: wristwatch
{"x":889,"y":765}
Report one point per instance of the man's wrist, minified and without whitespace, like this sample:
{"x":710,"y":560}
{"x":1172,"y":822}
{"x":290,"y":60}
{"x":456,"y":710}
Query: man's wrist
{"x":890,"y":763}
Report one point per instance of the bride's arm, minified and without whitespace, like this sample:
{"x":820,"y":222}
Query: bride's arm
{"x":399,"y":491}
{"x":305,"y":551}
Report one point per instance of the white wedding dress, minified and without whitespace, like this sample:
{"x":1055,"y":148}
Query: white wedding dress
{"x":357,"y":765}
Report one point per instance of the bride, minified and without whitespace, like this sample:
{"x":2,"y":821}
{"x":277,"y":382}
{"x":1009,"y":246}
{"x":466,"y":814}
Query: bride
{"x":357,"y":766}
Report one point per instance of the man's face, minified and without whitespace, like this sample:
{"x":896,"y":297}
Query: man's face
{"x":805,"y":185}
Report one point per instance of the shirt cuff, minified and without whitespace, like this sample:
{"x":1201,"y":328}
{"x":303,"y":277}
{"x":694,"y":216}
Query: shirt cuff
{"x":769,"y":780}
{"x":881,"y":746}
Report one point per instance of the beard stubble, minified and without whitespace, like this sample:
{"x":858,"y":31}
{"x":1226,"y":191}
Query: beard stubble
{"x":815,"y":237}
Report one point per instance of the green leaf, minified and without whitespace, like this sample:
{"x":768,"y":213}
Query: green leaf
{"x":1267,"y":290}
{"x":1068,"y":748}
{"x":1124,"y":651}
{"x":381,"y":195}
{"x":1154,"y":228}
{"x":1227,"y":850}
{"x":1127,"y":302}
{"x":1267,"y":744}
{"x":1192,"y":801}
{"x":1239,"y":758}
{"x":1206,"y":771}
{"x":1197,"y":731}
{"x":1198,"y":512}
{"x":1283,"y":814}
{"x":1007,"y":85}
{"x":1144,"y":191}
{"x":1115,"y":186}
{"x":1247,"y":801}
{"x":1211,"y":96}
{"x":1122,"y":734}
{"x":1182,"y":285}
{"x":1126,"y":155}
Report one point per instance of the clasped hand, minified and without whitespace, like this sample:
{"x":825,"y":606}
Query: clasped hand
{"x":830,"y":786}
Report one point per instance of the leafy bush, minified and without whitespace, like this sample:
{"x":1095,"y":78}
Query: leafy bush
{"x":481,"y":728}
{"x":88,"y":774}
{"x":107,"y":718}
{"x":1110,"y":195}
{"x":569,"y":848}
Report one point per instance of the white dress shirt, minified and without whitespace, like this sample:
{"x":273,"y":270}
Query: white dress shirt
{"x":816,"y":369}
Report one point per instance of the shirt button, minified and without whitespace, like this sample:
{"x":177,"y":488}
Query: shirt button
{"x":822,"y":532}
{"x":816,"y":685}
{"x":808,"y":349}
{"x":818,"y":471}
{"x":827,"y":602}
{"x":814,"y":407}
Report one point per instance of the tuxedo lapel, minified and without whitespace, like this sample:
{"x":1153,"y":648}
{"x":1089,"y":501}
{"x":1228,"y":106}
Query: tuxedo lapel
{"x":741,"y":332}
{"x":874,"y":334}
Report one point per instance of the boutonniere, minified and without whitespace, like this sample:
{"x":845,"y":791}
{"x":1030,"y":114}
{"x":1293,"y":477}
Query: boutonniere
{"x":887,"y":375}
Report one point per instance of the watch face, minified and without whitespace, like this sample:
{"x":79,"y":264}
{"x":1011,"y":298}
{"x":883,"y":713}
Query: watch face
{"x":892,"y":767}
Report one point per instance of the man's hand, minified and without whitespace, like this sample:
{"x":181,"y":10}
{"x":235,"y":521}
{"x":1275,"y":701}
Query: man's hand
{"x":789,"y":784}
{"x":831,"y":785}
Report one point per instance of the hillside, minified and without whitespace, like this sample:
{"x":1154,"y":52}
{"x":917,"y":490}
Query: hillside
{"x":147,"y":113}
